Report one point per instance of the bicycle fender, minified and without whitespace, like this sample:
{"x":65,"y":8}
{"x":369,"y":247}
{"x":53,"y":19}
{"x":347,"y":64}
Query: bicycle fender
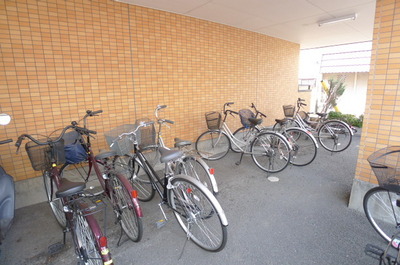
{"x":135,"y":201}
{"x":208,"y":193}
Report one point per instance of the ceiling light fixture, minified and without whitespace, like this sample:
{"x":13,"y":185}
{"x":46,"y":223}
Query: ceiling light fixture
{"x":337,"y":19}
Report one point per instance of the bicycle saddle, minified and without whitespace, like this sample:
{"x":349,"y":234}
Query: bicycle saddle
{"x":281,"y":121}
{"x":322,"y":115}
{"x":180,"y":142}
{"x":169,"y":155}
{"x":255,"y":121}
{"x":68,"y":188}
{"x":105,"y":154}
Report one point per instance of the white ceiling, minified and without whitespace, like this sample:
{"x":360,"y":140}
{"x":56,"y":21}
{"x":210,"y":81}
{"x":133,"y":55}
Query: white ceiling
{"x":292,"y":20}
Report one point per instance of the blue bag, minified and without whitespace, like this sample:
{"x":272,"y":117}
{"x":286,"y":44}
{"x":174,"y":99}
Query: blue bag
{"x":74,"y":151}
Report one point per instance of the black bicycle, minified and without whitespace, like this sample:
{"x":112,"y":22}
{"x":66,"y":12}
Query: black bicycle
{"x":196,"y":209}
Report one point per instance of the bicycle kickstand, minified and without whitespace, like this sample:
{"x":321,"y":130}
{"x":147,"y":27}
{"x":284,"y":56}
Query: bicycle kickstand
{"x":240,"y":160}
{"x":162,"y":222}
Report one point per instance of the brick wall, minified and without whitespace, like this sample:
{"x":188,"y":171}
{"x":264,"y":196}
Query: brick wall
{"x":382,"y":114}
{"x":60,"y":58}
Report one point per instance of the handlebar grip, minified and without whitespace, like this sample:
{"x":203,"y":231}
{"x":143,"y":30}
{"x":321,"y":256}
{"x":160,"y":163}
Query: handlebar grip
{"x":92,"y":113}
{"x":169,"y":121}
{"x":83,"y":130}
{"x":229,"y":103}
{"x":161,"y":107}
{"x":300,"y":99}
{"x":6,"y":141}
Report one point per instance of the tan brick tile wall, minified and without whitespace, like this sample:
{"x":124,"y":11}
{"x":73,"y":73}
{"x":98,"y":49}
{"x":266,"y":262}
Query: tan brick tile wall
{"x":60,"y":58}
{"x":382,"y":114}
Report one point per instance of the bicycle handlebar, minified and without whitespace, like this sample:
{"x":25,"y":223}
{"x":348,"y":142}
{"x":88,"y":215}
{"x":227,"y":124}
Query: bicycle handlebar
{"x":6,"y":141}
{"x":141,"y":124}
{"x":78,"y":129}
{"x":300,"y":102}
{"x":257,"y":111}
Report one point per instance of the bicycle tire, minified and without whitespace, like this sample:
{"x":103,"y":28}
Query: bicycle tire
{"x":304,"y":147}
{"x":56,"y":204}
{"x":213,"y":145}
{"x":271,"y":152}
{"x":246,"y":135}
{"x":198,"y":169}
{"x":289,"y":124}
{"x":85,"y":241}
{"x":137,"y":176}
{"x":198,"y":213}
{"x":380,"y":207}
{"x":124,"y":208}
{"x":335,"y":136}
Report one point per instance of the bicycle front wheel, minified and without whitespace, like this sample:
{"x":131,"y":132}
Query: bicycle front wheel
{"x":213,"y":145}
{"x":270,"y":152}
{"x":85,"y":242}
{"x":137,"y":176}
{"x":381,"y":207}
{"x":244,"y":136}
{"x":124,"y":208}
{"x":196,"y":167}
{"x":335,"y":136}
{"x":56,"y":204}
{"x":198,"y":213}
{"x":304,"y":147}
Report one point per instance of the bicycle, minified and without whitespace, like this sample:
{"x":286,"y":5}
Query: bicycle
{"x":304,"y":145}
{"x":333,"y":135}
{"x":382,"y":204}
{"x":269,"y":150}
{"x":113,"y":185}
{"x":196,"y":209}
{"x":89,"y":241}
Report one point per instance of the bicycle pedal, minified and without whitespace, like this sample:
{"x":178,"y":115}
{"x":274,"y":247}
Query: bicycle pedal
{"x":55,"y":248}
{"x":161,"y":223}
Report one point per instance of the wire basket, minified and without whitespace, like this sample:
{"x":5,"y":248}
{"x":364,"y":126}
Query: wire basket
{"x":289,"y":110}
{"x":386,"y":165}
{"x":245,"y":114}
{"x":41,"y":155}
{"x":146,"y":136}
{"x":121,"y":146}
{"x":213,"y":120}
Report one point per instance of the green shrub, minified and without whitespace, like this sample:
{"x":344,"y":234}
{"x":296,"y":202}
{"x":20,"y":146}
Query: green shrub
{"x":348,"y":118}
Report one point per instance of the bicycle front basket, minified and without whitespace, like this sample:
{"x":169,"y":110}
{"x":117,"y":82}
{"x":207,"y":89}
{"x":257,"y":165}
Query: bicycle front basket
{"x":245,"y":114}
{"x":289,"y":110}
{"x":213,"y":120}
{"x":146,"y":135}
{"x":40,"y":155}
{"x":386,"y":165}
{"x":121,"y":146}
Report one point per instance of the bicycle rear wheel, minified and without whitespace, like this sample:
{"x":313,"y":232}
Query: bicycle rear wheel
{"x":85,"y":241}
{"x":304,"y":147}
{"x":198,"y":169}
{"x":213,"y":145}
{"x":56,"y":204}
{"x":271,"y":152}
{"x":198,"y":213}
{"x":137,"y":176}
{"x":125,"y":209}
{"x":245,"y":136}
{"x":381,"y":207}
{"x":335,"y":136}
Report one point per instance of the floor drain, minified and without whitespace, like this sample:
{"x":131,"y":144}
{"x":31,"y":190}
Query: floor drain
{"x":273,"y":179}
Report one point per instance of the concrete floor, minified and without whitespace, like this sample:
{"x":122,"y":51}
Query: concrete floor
{"x":301,"y":219}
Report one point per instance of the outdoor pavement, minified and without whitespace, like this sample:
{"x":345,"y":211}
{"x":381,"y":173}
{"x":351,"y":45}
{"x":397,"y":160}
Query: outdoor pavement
{"x":301,"y":219}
